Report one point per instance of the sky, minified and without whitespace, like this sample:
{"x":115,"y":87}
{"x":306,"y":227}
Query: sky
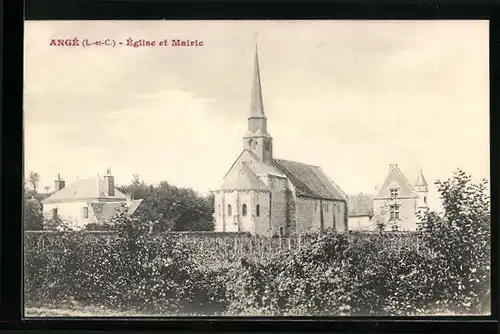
{"x":349,"y":96}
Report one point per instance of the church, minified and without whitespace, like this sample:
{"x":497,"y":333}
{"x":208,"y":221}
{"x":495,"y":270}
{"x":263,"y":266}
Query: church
{"x":267,"y":196}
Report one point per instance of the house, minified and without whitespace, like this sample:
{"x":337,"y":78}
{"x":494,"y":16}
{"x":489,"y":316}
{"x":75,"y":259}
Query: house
{"x":267,"y":196}
{"x":398,"y":202}
{"x":93,"y":200}
{"x":360,"y":212}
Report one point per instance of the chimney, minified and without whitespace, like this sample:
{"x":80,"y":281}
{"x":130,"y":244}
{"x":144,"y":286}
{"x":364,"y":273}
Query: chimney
{"x":109,"y":183}
{"x":59,"y":183}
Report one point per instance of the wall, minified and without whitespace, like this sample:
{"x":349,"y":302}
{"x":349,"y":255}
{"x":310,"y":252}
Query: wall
{"x":361,"y":223}
{"x":261,"y":226}
{"x":280,"y":204}
{"x":71,"y":212}
{"x":408,"y":219}
{"x":306,"y":214}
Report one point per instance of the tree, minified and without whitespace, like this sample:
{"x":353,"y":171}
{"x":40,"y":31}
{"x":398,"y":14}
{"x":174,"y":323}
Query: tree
{"x":175,"y":208}
{"x":33,"y":215}
{"x":460,"y":237}
{"x":34,"y":180}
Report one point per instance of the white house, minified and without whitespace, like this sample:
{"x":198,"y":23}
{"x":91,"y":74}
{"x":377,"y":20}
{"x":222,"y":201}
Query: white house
{"x":92,"y":200}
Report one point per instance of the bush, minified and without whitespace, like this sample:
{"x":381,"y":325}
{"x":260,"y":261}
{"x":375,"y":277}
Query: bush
{"x":444,"y":268}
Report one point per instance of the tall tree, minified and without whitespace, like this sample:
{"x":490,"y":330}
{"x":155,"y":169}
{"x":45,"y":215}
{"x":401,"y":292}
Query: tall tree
{"x":34,"y":180}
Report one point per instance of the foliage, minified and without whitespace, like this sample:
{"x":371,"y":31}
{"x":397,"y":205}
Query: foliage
{"x":34,"y":180}
{"x":174,"y":208}
{"x":460,"y":239}
{"x":442,"y":269}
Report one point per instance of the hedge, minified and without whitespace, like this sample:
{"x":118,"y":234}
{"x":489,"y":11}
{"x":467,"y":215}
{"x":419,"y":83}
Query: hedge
{"x":330,"y":274}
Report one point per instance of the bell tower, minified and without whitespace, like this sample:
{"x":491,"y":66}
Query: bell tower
{"x":422,"y":190}
{"x":257,"y":139}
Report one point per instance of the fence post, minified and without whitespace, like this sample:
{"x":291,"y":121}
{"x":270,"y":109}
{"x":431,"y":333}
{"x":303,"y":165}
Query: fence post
{"x":289,"y":243}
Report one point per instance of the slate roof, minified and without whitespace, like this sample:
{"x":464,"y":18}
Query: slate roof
{"x":243,"y":178}
{"x":83,"y":189}
{"x":106,"y":210}
{"x":309,"y":180}
{"x":360,"y":205}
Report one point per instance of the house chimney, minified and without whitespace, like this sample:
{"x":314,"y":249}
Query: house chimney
{"x":109,"y":183}
{"x":59,"y":183}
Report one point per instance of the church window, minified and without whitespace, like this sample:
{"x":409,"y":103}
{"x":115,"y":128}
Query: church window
{"x":282,"y":231}
{"x":425,"y":200}
{"x":244,"y":209}
{"x":394,"y":193}
{"x":394,"y":212}
{"x":257,"y":210}
{"x":85,"y":212}
{"x":229,"y":213}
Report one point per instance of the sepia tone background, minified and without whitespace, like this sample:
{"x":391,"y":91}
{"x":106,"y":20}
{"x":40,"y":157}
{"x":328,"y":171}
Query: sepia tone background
{"x":350,"y":96}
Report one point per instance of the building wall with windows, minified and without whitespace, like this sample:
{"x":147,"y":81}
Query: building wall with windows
{"x":398,"y":201}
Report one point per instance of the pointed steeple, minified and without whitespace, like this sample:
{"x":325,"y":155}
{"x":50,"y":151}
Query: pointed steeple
{"x":256,"y":104}
{"x":421,"y":182}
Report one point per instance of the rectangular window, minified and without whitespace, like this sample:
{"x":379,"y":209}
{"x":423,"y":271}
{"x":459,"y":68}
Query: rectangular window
{"x":282,"y":231}
{"x":257,"y":210}
{"x":85,"y":212}
{"x":54,"y":213}
{"x":425,"y":200}
{"x":394,"y":193}
{"x":218,"y":209}
{"x":394,"y":212}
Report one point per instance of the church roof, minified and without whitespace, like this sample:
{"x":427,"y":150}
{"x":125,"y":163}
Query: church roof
{"x":256,"y":104}
{"x":309,"y":181}
{"x":360,"y":205}
{"x":421,"y":182}
{"x":243,"y":178}
{"x":84,"y":189}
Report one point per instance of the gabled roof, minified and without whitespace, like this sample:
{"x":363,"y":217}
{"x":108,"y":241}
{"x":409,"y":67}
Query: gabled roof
{"x":395,"y":177}
{"x":84,"y":189}
{"x":421,"y":182}
{"x":243,"y":178}
{"x":106,"y":210}
{"x":360,"y":205}
{"x":309,"y":180}
{"x":258,"y":167}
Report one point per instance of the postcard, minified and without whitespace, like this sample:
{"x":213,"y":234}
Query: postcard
{"x":256,"y":168}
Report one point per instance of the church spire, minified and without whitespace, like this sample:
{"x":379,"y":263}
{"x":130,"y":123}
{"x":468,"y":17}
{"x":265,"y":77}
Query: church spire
{"x":257,"y":104}
{"x":257,"y":139}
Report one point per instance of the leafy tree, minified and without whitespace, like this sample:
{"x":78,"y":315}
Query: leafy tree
{"x":174,"y":208}
{"x":460,"y":238}
{"x":33,"y":215}
{"x":34,"y":180}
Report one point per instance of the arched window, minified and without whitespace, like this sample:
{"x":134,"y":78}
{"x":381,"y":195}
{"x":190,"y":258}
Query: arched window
{"x":257,"y":210}
{"x":229,"y":209}
{"x":244,"y":209}
{"x":85,"y":212}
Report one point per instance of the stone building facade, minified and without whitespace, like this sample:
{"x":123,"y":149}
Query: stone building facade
{"x":267,"y":196}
